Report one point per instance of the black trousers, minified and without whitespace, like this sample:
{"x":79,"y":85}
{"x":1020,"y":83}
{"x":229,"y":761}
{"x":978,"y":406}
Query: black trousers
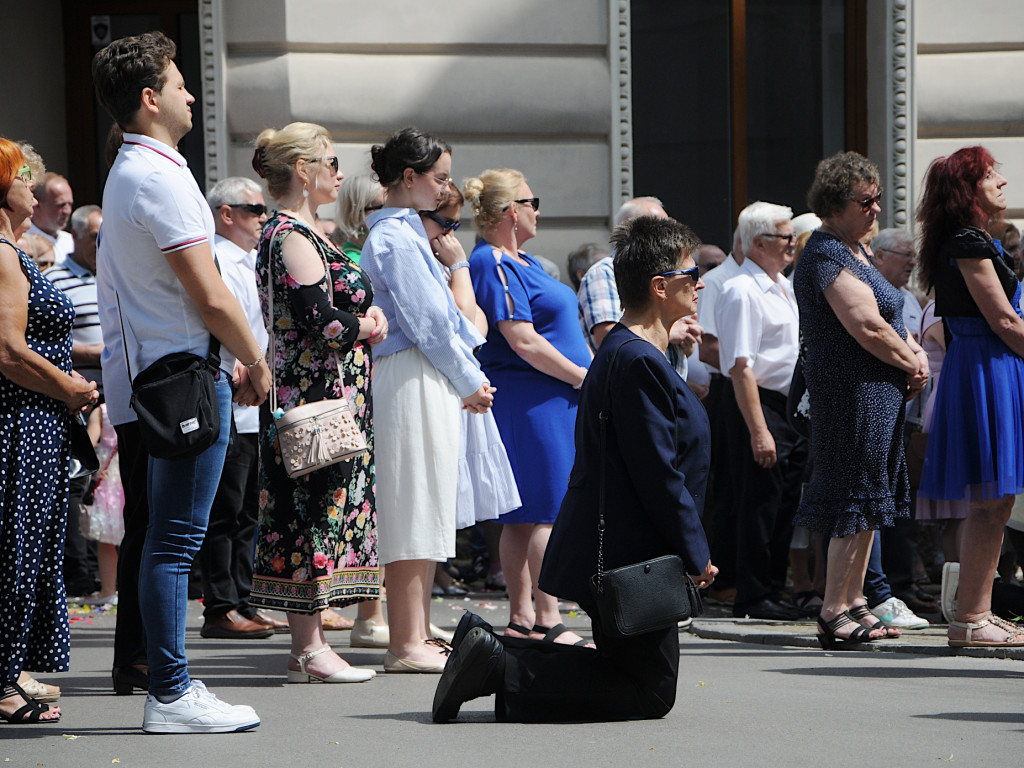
{"x":628,"y":679}
{"x":721,"y":527}
{"x":81,"y":566}
{"x":226,"y":556}
{"x":765,"y":499}
{"x":129,"y":639}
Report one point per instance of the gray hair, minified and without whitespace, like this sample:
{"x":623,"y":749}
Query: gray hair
{"x":892,"y":239}
{"x":759,"y":219}
{"x":632,"y":209}
{"x":80,"y":218}
{"x":356,"y":193}
{"x":230,"y":191}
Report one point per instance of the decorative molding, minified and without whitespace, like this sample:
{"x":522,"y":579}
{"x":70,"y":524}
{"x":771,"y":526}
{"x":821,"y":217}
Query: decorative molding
{"x":211,"y":36}
{"x":620,"y":139}
{"x":901,"y":113}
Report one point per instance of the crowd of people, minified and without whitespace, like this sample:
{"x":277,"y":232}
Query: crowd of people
{"x":753,"y":412}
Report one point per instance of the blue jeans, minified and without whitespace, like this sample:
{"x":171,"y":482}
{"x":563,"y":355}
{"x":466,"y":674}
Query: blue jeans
{"x":181,"y":493}
{"x":876,"y":584}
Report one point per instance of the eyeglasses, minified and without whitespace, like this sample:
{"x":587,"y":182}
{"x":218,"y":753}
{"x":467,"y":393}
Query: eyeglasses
{"x":906,"y":254}
{"x":446,"y":225}
{"x":693,"y":273}
{"x":25,"y":174}
{"x":790,"y":238}
{"x":533,"y":202}
{"x":865,"y":205}
{"x":372,"y":207}
{"x":255,"y":209}
{"x":444,"y":181}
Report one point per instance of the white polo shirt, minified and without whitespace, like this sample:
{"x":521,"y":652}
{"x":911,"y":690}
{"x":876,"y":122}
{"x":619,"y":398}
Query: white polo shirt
{"x":79,"y":284}
{"x":757,"y":319}
{"x":238,"y":268}
{"x":708,"y":297}
{"x":63,"y":244}
{"x":152,"y":206}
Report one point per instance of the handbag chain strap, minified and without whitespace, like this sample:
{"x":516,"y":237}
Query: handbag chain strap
{"x":603,"y":416}
{"x":270,"y":303}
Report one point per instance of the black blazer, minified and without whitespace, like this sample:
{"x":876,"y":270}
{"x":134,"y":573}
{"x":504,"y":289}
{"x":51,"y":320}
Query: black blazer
{"x":658,"y":453}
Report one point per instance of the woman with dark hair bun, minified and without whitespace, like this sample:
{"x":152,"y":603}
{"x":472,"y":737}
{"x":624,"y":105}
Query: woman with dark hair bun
{"x":975,"y":451}
{"x":424,"y":373}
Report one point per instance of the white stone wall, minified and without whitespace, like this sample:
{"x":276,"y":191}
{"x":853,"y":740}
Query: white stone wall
{"x":527,"y":85}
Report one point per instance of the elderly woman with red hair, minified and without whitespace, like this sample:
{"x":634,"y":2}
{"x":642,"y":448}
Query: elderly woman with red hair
{"x":37,"y":389}
{"x":975,"y":450}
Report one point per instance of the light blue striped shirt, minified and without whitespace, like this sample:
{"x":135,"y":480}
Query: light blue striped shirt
{"x":410,"y":287}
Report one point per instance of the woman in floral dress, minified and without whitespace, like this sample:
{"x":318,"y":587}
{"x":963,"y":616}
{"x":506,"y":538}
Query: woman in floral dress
{"x":316,"y":544}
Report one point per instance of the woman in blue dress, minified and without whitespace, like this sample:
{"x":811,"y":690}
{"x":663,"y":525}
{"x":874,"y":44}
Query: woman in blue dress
{"x":975,"y":450}
{"x":537,"y":358}
{"x":37,"y":389}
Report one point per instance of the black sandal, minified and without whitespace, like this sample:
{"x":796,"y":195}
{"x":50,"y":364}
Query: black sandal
{"x":861,"y":612}
{"x":30,"y":713}
{"x":551,"y":633}
{"x":524,"y":631}
{"x":827,"y":635}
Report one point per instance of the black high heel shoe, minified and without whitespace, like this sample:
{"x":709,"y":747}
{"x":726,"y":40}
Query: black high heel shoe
{"x":827,"y":635}
{"x":127,"y":679}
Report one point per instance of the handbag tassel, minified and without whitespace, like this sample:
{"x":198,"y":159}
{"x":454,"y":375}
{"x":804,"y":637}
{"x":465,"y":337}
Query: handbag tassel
{"x":319,"y":452}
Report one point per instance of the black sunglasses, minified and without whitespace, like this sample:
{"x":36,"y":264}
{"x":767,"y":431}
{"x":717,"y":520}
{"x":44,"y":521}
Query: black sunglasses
{"x":254,"y":208}
{"x":331,"y":160}
{"x":446,"y":225}
{"x":865,"y":205}
{"x":693,"y":273}
{"x":533,"y":202}
{"x":372,"y":207}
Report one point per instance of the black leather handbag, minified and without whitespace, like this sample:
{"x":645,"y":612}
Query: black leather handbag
{"x":642,"y":597}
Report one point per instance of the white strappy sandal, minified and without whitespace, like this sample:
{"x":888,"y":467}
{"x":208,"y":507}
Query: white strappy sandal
{"x":346,"y":675}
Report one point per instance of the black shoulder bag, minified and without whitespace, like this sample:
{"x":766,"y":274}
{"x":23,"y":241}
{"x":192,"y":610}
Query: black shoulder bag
{"x":642,"y":597}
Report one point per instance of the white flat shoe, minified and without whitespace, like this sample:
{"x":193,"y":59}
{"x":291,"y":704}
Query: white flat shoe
{"x":347,"y":675}
{"x":950,"y":582}
{"x":366,"y":633}
{"x":394,"y":664}
{"x":441,"y":634}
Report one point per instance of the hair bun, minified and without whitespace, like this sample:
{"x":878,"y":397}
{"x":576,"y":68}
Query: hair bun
{"x":257,"y":161}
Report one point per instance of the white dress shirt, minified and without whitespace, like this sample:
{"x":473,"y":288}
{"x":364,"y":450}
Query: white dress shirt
{"x":708,"y":297}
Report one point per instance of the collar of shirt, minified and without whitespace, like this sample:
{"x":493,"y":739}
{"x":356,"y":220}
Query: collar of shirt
{"x":133,"y":140}
{"x":765,"y":282}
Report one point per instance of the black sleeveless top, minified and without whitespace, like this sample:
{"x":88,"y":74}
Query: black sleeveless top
{"x":952,"y":298}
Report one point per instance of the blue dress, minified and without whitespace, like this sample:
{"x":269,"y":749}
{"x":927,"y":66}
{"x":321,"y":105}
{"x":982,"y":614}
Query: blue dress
{"x":859,"y":480}
{"x":975,"y":450}
{"x":34,"y":631}
{"x":536,"y":413}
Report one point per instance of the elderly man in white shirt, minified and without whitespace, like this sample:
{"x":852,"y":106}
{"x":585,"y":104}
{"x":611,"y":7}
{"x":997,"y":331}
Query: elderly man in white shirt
{"x":757,"y":321}
{"x":895,"y":257}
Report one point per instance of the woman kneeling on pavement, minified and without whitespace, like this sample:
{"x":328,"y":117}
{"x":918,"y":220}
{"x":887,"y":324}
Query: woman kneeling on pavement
{"x":657,"y":455}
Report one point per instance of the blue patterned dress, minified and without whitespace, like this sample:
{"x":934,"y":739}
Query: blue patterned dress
{"x":34,"y":631}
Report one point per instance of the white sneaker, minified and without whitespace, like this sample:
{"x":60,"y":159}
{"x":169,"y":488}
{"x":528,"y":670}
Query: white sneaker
{"x":895,"y":613}
{"x":197,"y":711}
{"x":950,"y":581}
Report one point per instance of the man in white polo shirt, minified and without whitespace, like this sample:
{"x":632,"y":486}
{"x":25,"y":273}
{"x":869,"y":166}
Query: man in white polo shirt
{"x":53,"y":212}
{"x":160,"y":292}
{"x":758,"y":335}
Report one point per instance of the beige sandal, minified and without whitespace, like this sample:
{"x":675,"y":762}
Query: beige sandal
{"x":41,"y":692}
{"x":1016,"y":637}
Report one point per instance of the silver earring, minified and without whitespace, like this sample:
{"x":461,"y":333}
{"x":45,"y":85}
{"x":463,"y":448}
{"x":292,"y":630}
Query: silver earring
{"x":515,"y":227}
{"x":305,"y":192}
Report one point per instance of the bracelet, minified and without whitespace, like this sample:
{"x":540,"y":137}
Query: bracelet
{"x":253,"y":365}
{"x":458,"y":265}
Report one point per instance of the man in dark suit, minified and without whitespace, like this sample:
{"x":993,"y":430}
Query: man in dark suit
{"x":656,"y":455}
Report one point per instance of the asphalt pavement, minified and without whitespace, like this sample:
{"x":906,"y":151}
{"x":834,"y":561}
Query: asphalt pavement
{"x":751,"y":693}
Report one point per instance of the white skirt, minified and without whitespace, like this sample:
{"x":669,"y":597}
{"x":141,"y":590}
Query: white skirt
{"x":417,"y":434}
{"x":487,"y":487}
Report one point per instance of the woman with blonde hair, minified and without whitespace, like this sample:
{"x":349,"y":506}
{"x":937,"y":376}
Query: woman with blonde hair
{"x":316,"y":542}
{"x":359,"y":197}
{"x":537,"y":356}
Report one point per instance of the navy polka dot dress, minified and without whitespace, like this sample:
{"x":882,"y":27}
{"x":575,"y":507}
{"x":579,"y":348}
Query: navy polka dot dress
{"x":34,"y":496}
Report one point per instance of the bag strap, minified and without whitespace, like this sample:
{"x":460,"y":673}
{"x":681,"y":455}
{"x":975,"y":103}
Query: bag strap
{"x":603,"y":416}
{"x":270,"y":304}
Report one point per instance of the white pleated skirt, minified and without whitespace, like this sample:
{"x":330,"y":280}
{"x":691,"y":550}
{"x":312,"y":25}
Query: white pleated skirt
{"x":417,"y":431}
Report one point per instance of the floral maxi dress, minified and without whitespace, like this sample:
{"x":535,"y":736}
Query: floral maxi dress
{"x":316,"y":544}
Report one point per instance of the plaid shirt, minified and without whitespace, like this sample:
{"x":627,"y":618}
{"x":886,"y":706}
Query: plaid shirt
{"x":598,"y":301}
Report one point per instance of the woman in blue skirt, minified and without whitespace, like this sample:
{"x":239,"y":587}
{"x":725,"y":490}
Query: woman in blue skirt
{"x":975,"y":448}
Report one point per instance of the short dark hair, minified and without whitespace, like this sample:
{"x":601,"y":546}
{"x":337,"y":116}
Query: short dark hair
{"x":646,"y":247}
{"x":405,"y":148}
{"x":582,"y":259}
{"x":124,"y":68}
{"x":835,"y":179}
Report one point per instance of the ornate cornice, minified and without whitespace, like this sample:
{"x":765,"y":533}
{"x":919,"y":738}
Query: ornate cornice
{"x":901,"y":113}
{"x":211,"y":36}
{"x":621,"y":138}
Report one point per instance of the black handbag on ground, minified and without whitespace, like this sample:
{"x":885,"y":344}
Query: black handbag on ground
{"x":642,"y":597}
{"x":175,"y":399}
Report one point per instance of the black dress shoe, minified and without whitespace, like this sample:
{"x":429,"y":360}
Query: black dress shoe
{"x":127,"y":679}
{"x":468,"y":621}
{"x":766,"y":608}
{"x":475,"y":668}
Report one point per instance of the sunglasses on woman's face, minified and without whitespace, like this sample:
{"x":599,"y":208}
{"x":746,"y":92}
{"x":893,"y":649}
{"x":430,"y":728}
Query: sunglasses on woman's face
{"x":331,"y":161}
{"x":446,"y":225}
{"x":533,"y":202}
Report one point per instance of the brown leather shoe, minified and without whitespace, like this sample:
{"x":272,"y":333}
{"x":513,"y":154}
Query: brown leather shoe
{"x":265,"y":619}
{"x":235,"y":626}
